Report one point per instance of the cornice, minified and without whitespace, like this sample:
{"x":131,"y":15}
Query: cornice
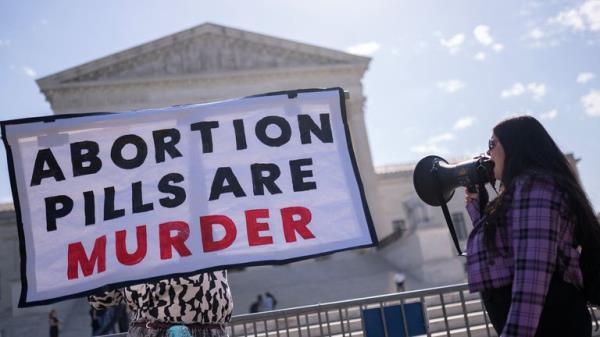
{"x":204,"y":29}
{"x":357,"y":70}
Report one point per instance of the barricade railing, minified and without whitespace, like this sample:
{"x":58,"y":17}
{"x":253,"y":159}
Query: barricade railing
{"x":442,"y":311}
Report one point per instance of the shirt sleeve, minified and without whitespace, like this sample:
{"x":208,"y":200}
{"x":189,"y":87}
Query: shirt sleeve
{"x":535,"y":232}
{"x":106,"y":299}
{"x":473,"y":210}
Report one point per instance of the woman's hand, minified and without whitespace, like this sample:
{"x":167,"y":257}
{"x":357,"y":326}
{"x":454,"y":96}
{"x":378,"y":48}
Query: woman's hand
{"x":471,"y":196}
{"x":472,"y":203}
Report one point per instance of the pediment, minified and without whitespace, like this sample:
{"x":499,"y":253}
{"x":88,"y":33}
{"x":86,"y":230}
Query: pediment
{"x":206,"y":49}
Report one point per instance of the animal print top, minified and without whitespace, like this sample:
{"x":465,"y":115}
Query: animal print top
{"x":202,"y":298}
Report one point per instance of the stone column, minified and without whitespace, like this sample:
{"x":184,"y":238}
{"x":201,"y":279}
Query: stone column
{"x":362,"y":151}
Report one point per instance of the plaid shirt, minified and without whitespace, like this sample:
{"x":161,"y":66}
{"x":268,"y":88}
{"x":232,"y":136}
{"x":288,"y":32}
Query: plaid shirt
{"x":535,"y":239}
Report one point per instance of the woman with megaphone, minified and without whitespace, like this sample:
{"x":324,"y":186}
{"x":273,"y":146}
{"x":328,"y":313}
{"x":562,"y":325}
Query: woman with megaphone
{"x":523,"y":254}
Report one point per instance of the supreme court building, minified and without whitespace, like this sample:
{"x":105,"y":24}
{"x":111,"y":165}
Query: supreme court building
{"x":211,"y":63}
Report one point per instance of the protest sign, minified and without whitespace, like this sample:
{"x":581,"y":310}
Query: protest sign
{"x":111,"y":199}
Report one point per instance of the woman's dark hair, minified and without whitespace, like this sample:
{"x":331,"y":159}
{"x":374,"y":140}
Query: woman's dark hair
{"x":529,"y":148}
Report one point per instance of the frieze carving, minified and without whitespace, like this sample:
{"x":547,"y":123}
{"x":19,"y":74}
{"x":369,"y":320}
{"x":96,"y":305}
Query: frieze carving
{"x":205,"y":54}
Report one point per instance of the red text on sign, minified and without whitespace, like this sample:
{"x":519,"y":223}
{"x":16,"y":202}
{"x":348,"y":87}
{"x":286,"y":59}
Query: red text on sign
{"x":174,"y":238}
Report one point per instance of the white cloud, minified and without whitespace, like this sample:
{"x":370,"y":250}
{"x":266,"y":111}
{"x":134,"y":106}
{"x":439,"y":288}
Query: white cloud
{"x":591,"y":103}
{"x":463,"y":123}
{"x":4,"y":43}
{"x":582,"y":18}
{"x":537,"y":90}
{"x":585,"y":77}
{"x":546,"y":36}
{"x":29,"y":71}
{"x":480,"y":56}
{"x":364,"y":49}
{"x":536,"y":34}
{"x":453,"y":44}
{"x":482,"y":35}
{"x":517,"y":89}
{"x":432,"y":146}
{"x":441,"y":138}
{"x":571,"y":19}
{"x":428,"y":149}
{"x":590,"y":10}
{"x":498,"y":47}
{"x":451,"y":86}
{"x":549,"y":115}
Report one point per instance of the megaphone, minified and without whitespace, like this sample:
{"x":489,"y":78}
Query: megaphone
{"x":435,"y":179}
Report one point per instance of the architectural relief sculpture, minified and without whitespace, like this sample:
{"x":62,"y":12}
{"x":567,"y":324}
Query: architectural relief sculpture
{"x":205,"y":54}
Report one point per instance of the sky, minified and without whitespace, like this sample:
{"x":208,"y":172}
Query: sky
{"x":442,"y":74}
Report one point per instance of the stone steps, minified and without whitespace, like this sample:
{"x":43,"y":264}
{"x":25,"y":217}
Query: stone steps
{"x":351,"y":323}
{"x":454,"y":308}
{"x":456,"y":321}
{"x":79,"y":322}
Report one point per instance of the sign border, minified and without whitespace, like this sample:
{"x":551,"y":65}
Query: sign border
{"x":51,"y":118}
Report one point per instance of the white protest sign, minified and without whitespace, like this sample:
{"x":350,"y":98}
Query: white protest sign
{"x":118,"y":198}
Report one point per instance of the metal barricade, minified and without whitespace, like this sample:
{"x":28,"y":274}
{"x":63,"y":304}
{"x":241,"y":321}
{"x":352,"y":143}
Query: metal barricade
{"x":446,"y":311}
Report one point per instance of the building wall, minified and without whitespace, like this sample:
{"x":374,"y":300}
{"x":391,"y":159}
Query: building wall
{"x":423,"y":248}
{"x":14,"y":321}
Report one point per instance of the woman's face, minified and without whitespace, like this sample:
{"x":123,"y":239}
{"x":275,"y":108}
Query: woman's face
{"x":496,"y":152}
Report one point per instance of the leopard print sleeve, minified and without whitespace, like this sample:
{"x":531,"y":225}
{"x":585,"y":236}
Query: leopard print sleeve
{"x":106,"y":299}
{"x":199,"y":298}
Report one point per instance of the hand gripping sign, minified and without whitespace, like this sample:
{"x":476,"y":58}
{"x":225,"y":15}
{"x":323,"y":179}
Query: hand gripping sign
{"x":111,"y":199}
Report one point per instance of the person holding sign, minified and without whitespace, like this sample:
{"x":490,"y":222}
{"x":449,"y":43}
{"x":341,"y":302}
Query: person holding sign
{"x":199,"y":305}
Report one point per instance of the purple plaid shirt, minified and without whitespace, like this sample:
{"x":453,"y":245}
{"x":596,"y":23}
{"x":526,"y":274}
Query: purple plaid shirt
{"x":534,"y":241}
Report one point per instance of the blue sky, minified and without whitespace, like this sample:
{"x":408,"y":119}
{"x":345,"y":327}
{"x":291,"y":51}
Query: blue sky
{"x":443,"y":73}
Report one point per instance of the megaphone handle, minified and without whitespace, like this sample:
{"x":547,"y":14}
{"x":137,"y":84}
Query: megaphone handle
{"x":434,"y":171}
{"x":451,"y":228}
